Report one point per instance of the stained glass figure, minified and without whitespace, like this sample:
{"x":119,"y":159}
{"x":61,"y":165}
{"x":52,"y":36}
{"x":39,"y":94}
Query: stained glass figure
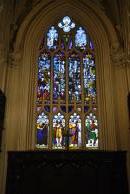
{"x":91,"y":125}
{"x":89,"y":74}
{"x":42,"y":131}
{"x":74,"y":79}
{"x":58,"y":140}
{"x":43,"y":88}
{"x":74,"y":131}
{"x":80,"y":38}
{"x":52,"y":38}
{"x":59,"y":77}
{"x":66,"y":24}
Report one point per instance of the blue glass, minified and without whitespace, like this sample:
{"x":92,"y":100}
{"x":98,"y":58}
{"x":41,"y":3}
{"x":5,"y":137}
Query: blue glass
{"x":89,"y":75}
{"x":47,"y":108}
{"x":66,"y":24}
{"x":80,"y":38}
{"x":52,"y":38}
{"x":42,"y":131}
{"x":59,"y":77}
{"x":74,"y":78}
{"x":43,"y":88}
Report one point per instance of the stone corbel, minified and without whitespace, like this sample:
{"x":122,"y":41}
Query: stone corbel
{"x":118,"y":57}
{"x":15,"y":58}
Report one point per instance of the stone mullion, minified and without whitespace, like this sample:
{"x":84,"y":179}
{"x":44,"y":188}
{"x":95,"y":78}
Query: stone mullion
{"x":67,"y":92}
{"x":51,"y":104}
{"x":82,"y":103}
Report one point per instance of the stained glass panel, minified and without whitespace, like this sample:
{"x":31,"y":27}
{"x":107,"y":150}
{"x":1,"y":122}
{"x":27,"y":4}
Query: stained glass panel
{"x":42,"y":130}
{"x":66,"y":24}
{"x":74,"y":131}
{"x":58,"y":140}
{"x":43,"y":88}
{"x":52,"y":38}
{"x":80,"y":38}
{"x":89,"y":75}
{"x":91,"y":125}
{"x":74,"y":78}
{"x":59,"y":77}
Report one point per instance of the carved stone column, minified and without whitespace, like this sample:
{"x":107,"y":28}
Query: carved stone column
{"x":119,"y":61}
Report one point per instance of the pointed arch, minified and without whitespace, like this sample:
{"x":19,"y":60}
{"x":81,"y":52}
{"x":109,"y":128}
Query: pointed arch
{"x":26,"y":46}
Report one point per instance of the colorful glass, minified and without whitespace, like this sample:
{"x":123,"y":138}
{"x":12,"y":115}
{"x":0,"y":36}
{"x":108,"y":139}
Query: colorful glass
{"x":42,"y":130}
{"x":52,"y":38}
{"x":91,"y":125}
{"x":58,"y":140}
{"x":74,"y":78}
{"x":66,"y":89}
{"x":43,"y":88}
{"x":89,"y":75}
{"x":66,"y":24}
{"x":59,"y":77}
{"x":80,"y":38}
{"x":74,"y":131}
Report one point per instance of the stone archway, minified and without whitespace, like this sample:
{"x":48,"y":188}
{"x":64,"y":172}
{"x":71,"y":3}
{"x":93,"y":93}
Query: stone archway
{"x":22,"y":75}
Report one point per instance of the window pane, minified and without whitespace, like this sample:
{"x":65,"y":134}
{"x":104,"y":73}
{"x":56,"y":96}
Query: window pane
{"x":59,"y":77}
{"x":74,"y":78}
{"x":43,"y":88}
{"x":58,"y":140}
{"x":80,"y":38}
{"x":42,"y":130}
{"x":52,"y":38}
{"x":74,"y":131}
{"x":89,"y":74}
{"x":91,"y":125}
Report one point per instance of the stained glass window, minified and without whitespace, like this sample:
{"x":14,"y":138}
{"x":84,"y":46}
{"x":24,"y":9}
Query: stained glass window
{"x":66,"y":104}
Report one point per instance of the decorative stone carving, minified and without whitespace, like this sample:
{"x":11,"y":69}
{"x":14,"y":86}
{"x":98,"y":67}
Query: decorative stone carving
{"x":118,"y":56}
{"x":15,"y":58}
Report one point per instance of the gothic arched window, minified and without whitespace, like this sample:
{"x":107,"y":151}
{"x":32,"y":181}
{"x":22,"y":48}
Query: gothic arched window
{"x":66,"y":89}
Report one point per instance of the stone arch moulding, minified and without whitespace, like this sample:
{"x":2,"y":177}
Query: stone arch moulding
{"x":27,"y":43}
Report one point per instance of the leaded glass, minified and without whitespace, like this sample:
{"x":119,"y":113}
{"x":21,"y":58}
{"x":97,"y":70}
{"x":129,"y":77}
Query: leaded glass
{"x":74,"y":78}
{"x":80,"y":38}
{"x":89,"y":75}
{"x":59,"y":77}
{"x":66,"y":105}
{"x":58,"y":140}
{"x":74,"y":131}
{"x":43,"y":87}
{"x":91,"y":125}
{"x":52,"y":37}
{"x":66,"y":24}
{"x":42,"y":130}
